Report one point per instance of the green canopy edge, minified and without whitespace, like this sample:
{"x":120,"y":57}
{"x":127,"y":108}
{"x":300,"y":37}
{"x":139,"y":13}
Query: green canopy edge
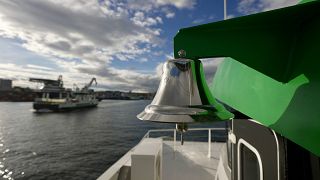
{"x":273,"y":72}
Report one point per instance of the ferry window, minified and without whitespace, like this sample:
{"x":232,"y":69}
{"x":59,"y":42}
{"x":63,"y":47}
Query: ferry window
{"x":301,"y":163}
{"x":249,"y":164}
{"x":54,"y":95}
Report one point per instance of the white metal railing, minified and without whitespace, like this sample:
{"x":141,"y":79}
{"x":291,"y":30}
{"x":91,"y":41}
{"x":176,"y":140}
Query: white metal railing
{"x":113,"y":171}
{"x":147,"y":135}
{"x":50,"y":100}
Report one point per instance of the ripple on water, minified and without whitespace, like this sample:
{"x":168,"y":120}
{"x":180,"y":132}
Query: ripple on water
{"x":79,"y":144}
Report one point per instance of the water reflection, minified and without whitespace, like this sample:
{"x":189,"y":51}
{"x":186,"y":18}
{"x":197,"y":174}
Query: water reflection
{"x":80,"y":144}
{"x":5,"y":172}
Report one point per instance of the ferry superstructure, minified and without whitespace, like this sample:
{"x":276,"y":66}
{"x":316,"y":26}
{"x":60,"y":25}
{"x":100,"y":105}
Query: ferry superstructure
{"x":54,"y":97}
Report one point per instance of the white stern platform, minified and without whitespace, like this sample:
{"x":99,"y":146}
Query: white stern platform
{"x":178,"y":162}
{"x":190,"y":161}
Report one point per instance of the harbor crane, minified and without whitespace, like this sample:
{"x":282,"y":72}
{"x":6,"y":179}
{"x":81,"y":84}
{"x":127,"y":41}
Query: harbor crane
{"x":87,"y":86}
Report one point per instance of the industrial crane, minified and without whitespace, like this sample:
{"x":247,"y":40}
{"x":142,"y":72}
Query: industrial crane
{"x":87,"y":86}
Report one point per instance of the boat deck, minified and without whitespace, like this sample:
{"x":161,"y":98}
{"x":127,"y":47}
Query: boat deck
{"x":189,"y":161}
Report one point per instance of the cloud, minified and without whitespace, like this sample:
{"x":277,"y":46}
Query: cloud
{"x":211,"y":17}
{"x":20,"y":74}
{"x":55,"y":30}
{"x":75,"y":34}
{"x":144,"y":5}
{"x":210,"y":66}
{"x":178,"y":3}
{"x":254,"y":6}
{"x":108,"y":78}
{"x":126,"y":80}
{"x":203,"y":19}
{"x":39,"y":67}
{"x":140,"y":19}
{"x":83,"y":37}
{"x":230,"y":16}
{"x":168,"y":12}
{"x":198,"y":21}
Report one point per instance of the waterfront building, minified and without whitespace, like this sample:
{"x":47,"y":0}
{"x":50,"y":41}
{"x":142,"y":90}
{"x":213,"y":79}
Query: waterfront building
{"x":5,"y":84}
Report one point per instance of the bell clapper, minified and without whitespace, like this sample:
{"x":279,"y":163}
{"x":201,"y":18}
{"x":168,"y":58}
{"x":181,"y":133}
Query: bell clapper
{"x":181,"y":127}
{"x":181,"y":138}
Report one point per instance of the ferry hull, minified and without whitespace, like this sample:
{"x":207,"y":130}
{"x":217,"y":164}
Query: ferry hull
{"x":62,"y":107}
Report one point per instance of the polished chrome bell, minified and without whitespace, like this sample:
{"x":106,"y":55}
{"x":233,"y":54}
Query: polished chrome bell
{"x":183,"y":96}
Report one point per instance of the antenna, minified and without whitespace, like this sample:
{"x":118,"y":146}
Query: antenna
{"x":225,"y":10}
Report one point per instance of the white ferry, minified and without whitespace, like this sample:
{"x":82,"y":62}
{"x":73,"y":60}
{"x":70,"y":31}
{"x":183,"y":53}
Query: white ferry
{"x":54,"y":97}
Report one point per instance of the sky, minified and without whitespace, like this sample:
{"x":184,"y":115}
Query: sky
{"x":123,"y":43}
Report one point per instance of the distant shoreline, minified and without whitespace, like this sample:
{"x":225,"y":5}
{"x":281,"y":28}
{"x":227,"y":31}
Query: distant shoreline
{"x":28,"y":95}
{"x":101,"y":99}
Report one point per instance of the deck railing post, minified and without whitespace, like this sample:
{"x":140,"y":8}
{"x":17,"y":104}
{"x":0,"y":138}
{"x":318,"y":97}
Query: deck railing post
{"x":174,"y":139}
{"x":209,"y":143}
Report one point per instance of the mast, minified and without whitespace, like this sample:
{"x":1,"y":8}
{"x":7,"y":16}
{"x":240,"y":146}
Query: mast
{"x":225,"y":10}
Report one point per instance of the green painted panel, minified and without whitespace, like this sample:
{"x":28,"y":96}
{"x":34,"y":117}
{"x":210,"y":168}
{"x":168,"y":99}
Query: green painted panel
{"x":254,"y":93}
{"x":273,"y":74}
{"x":305,"y":1}
{"x":292,"y":108}
{"x":263,"y":41}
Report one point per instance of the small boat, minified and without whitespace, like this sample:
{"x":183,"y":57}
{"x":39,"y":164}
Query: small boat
{"x":54,"y":97}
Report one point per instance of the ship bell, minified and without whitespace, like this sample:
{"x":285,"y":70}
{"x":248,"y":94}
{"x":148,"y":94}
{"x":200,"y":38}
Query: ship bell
{"x":183,"y":96}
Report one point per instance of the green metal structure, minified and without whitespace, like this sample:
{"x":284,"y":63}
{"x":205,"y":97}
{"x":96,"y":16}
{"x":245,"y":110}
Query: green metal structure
{"x":271,"y":72}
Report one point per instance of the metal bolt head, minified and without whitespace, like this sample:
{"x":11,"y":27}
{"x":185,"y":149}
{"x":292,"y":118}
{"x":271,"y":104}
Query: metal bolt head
{"x":182,"y":53}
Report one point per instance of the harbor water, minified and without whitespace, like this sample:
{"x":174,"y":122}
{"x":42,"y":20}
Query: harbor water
{"x":79,"y":144}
